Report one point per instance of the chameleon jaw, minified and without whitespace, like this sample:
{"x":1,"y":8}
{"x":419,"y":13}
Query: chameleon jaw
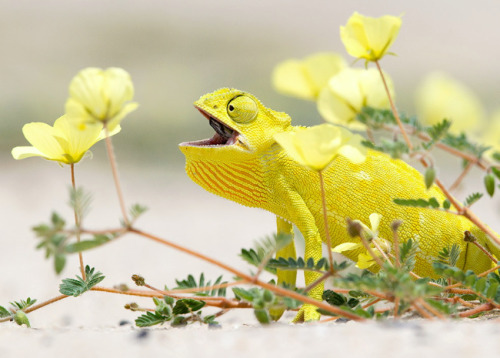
{"x":224,"y":135}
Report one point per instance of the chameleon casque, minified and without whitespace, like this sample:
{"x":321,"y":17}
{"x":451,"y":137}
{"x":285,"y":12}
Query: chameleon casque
{"x":243,"y":163}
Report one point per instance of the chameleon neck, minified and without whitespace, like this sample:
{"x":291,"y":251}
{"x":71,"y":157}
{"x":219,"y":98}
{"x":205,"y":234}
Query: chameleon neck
{"x":240,"y":181}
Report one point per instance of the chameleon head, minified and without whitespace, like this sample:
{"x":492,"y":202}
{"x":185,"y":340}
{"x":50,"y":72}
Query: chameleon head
{"x":243,"y":127}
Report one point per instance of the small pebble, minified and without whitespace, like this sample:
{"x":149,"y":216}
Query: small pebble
{"x":142,"y":334}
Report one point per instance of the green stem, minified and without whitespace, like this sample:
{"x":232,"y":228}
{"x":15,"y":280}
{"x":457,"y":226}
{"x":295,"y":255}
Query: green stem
{"x":77,"y":222}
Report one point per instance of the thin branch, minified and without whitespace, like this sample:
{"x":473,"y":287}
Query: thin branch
{"x":393,"y":107}
{"x":112,"y":162}
{"x":77,"y":223}
{"x":482,"y":308}
{"x":461,"y":177}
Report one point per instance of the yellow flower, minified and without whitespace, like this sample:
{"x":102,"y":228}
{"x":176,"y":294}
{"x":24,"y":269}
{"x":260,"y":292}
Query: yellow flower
{"x":98,"y":95}
{"x":305,"y":78}
{"x":64,"y":142}
{"x":439,"y":96}
{"x":349,"y":91}
{"x":316,"y":147}
{"x":365,"y":260}
{"x":369,"y":37}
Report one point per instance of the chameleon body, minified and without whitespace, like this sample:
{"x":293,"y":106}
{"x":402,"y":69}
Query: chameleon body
{"x":243,"y":163}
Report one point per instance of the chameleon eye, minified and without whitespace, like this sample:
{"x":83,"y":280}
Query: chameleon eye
{"x":242,"y":109}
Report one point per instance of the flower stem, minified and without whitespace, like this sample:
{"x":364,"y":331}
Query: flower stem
{"x":325,"y":220}
{"x":393,"y":107}
{"x":112,"y":162}
{"x":77,"y":222}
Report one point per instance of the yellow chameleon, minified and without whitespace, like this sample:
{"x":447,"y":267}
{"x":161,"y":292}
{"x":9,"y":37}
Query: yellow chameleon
{"x":243,"y":163}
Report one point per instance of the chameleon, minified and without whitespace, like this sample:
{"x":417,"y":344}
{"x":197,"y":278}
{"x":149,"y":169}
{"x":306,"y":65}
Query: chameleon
{"x":242,"y":162}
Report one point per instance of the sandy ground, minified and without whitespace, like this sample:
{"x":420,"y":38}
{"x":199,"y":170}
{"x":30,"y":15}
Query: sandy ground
{"x":97,"y":325}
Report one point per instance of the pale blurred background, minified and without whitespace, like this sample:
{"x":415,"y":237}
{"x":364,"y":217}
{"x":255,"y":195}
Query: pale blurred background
{"x":176,"y":51}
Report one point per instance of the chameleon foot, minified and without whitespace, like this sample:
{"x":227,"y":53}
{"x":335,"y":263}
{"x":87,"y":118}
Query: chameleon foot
{"x":307,"y":313}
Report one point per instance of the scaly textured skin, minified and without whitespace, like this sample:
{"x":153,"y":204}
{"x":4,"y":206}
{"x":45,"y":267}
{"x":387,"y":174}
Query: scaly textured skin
{"x":256,"y":172}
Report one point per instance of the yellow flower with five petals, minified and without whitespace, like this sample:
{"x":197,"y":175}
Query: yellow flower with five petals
{"x":316,"y":147}
{"x":64,"y":142}
{"x":349,"y":91}
{"x":98,"y":95}
{"x":369,"y":37}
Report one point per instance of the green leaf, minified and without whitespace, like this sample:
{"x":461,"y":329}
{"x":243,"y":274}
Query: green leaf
{"x":75,"y":287}
{"x":334,"y":298}
{"x":446,"y":204}
{"x":495,"y":171}
{"x":472,"y":198}
{"x":430,"y":175}
{"x":59,"y":262}
{"x":264,"y":249}
{"x":496,"y":156}
{"x":137,"y":210}
{"x":489,"y":184}
{"x":4,"y":312}
{"x":23,"y":304}
{"x":262,"y":315}
{"x":449,"y":255}
{"x":80,"y":201}
{"x":190,"y":282}
{"x":179,"y":321}
{"x":419,"y":203}
{"x":20,"y":318}
{"x":438,"y":130}
{"x":150,"y":319}
{"x":87,"y":244}
{"x":298,"y":264}
{"x":187,"y":305}
{"x":243,"y":294}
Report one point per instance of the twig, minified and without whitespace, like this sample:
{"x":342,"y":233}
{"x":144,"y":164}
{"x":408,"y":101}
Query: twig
{"x":490,"y":256}
{"x":482,"y":308}
{"x":393,"y":107}
{"x":431,"y":309}
{"x":112,"y":162}
{"x":461,"y":177}
{"x":77,"y":223}
{"x":220,"y":302}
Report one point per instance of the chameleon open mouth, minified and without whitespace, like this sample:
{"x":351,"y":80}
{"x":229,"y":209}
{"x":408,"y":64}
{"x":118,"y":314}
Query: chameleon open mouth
{"x":224,"y":135}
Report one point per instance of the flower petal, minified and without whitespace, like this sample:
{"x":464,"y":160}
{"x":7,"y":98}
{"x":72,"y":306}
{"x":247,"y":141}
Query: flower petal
{"x":42,"y":137}
{"x":354,"y":150}
{"x":116,"y":120}
{"x":346,"y":246}
{"x":26,"y":152}
{"x":75,"y":141}
{"x":375,"y":221}
{"x":305,"y":78}
{"x":368,"y":37}
{"x":365,"y":261}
